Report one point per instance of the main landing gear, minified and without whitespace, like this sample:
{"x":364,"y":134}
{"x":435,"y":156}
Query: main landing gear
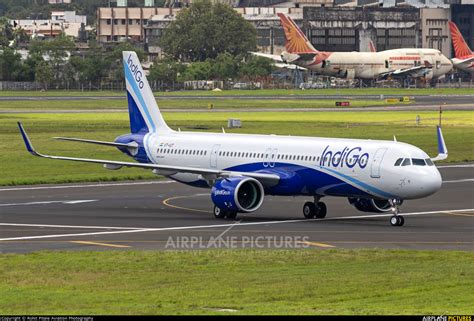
{"x":220,"y":213}
{"x":314,"y":209}
{"x":396,"y":219}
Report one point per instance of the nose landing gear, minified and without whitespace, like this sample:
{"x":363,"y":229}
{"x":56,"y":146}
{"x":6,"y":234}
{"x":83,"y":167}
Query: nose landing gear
{"x":315,"y":209}
{"x":396,"y":219}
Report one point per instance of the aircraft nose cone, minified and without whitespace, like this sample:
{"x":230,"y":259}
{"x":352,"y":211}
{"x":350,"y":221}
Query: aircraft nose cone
{"x":432,"y":182}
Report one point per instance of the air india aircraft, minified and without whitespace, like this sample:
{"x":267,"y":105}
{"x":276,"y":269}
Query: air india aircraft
{"x":464,"y":57}
{"x":419,"y":63}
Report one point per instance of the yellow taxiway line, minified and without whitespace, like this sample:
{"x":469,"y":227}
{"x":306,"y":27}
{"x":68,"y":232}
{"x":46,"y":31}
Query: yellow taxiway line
{"x":100,"y":244}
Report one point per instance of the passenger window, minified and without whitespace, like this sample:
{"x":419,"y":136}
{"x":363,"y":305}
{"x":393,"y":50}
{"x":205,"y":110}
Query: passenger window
{"x":398,"y":162}
{"x":406,"y":162}
{"x":429,"y":162}
{"x":418,"y":162}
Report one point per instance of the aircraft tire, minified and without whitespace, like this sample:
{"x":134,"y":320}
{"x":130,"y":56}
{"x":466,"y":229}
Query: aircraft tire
{"x":397,"y":220}
{"x":231,"y":215}
{"x":321,"y":210}
{"x":219,"y":213}
{"x":309,"y":210}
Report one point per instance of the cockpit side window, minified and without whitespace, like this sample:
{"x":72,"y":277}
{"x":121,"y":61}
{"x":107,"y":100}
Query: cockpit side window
{"x":429,"y":162}
{"x":406,"y":162}
{"x":418,"y":162}
{"x":398,"y":162}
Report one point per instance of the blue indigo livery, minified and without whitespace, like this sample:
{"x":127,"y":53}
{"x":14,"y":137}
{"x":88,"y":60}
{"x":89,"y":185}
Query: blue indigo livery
{"x":240,"y":170}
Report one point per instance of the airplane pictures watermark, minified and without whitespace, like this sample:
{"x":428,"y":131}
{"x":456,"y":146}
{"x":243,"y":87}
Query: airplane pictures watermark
{"x":236,"y":242}
{"x":222,"y":241}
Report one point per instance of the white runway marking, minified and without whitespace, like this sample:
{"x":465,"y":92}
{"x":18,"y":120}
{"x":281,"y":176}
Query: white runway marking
{"x":74,"y":226}
{"x":82,"y":186}
{"x":456,"y":166}
{"x":49,"y":202}
{"x":460,"y":180}
{"x":177,"y":228}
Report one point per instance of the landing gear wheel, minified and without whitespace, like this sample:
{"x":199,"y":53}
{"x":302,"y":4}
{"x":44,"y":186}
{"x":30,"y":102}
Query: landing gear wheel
{"x":219,"y":213}
{"x":401,"y":220}
{"x":397,"y":220}
{"x":231,"y":215}
{"x":309,"y":210}
{"x":321,"y":210}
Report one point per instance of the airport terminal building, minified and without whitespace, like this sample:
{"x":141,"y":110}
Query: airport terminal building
{"x":331,"y":25}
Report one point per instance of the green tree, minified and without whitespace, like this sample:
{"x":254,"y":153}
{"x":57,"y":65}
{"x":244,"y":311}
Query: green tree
{"x":57,"y":51}
{"x":91,"y":67}
{"x":256,"y":67}
{"x":165,"y":71}
{"x":225,"y":66}
{"x":206,"y":29}
{"x":44,"y":74}
{"x":199,"y":70}
{"x":10,"y":63}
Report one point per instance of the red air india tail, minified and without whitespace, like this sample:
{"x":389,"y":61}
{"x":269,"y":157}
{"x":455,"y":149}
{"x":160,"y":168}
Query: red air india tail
{"x":296,"y":41}
{"x":461,"y":49}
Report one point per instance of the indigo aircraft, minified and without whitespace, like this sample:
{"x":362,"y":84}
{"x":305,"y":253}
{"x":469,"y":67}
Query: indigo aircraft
{"x":240,"y":169}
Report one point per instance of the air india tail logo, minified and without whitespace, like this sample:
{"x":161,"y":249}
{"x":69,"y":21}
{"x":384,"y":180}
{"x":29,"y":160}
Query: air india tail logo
{"x":461,"y":49}
{"x":296,"y":41}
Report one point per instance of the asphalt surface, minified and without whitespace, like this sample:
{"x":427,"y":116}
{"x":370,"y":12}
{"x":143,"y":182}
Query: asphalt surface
{"x":418,"y":99}
{"x":422,"y":102}
{"x":163,"y":214}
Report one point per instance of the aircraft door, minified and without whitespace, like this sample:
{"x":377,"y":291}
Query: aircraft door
{"x":376,"y":162}
{"x":269,"y":157}
{"x":214,"y":154}
{"x":273,"y":157}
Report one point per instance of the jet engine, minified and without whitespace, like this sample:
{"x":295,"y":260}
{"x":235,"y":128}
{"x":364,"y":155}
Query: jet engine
{"x":371,"y":205}
{"x":237,"y":194}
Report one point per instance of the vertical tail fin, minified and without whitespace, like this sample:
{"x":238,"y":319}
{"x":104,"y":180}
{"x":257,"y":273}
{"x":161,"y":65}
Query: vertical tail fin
{"x":143,"y":110}
{"x":296,"y":41}
{"x":372,"y":46}
{"x":461,"y":49}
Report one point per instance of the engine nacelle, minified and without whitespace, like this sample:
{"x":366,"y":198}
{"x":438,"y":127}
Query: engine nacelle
{"x":371,"y":205}
{"x":238,"y":194}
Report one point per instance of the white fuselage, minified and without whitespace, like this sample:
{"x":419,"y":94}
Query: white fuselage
{"x":309,"y":166}
{"x":464,"y":65}
{"x":369,"y":65}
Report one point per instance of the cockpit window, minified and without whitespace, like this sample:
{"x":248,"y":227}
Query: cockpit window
{"x":406,"y":162}
{"x":429,"y":162}
{"x":418,"y":162}
{"x":398,"y":162}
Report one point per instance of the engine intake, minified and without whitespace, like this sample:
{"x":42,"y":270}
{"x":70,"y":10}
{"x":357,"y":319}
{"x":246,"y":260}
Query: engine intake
{"x":371,"y":205}
{"x":238,"y":194}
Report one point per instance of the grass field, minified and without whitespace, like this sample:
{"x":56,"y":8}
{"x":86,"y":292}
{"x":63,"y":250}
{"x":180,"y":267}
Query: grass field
{"x":18,"y":167}
{"x":262,"y":92}
{"x":307,"y":281}
{"x":184,"y":104}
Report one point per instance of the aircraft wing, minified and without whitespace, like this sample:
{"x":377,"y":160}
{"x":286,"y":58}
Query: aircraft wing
{"x":417,"y":71}
{"x":272,"y":57}
{"x":265,"y":178}
{"x":289,"y":66}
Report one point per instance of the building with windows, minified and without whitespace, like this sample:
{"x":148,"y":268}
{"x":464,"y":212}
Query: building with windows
{"x":331,"y":25}
{"x":61,"y":22}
